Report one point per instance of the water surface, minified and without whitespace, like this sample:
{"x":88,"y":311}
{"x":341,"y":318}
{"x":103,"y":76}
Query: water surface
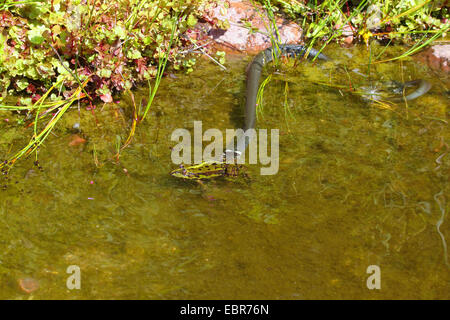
{"x":359,"y":184}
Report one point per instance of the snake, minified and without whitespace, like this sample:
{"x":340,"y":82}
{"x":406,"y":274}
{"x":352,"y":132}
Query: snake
{"x":254,"y":70}
{"x":266,"y":56}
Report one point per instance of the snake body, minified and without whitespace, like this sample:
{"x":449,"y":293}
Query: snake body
{"x":254,"y":72}
{"x":423,"y":87}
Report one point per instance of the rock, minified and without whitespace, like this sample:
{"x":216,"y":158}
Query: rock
{"x":76,"y":140}
{"x":348,"y":41}
{"x":437,"y":57}
{"x":106,"y":98}
{"x":28,"y":285}
{"x":347,"y":32}
{"x":30,"y":173}
{"x":347,"y":29}
{"x":237,"y":38}
{"x":374,"y":19}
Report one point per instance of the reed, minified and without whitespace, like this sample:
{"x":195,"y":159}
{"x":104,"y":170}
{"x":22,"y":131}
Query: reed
{"x":39,"y":137}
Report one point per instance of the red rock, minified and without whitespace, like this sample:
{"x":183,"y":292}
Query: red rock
{"x":107,"y":98}
{"x":28,"y":285}
{"x":348,"y":41}
{"x":437,"y":57}
{"x":76,"y":140}
{"x":237,"y":38}
{"x":348,"y":30}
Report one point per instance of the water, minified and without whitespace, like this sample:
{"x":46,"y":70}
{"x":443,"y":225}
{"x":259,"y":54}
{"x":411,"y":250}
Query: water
{"x":358,"y":185}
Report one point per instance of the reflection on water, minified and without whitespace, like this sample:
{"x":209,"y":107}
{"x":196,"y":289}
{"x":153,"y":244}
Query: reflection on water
{"x":359,"y":184}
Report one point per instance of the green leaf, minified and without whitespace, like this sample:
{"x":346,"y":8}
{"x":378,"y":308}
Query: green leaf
{"x":57,"y":18}
{"x":25,"y":101}
{"x":221,"y":56}
{"x":120,"y":32}
{"x":192,"y":20}
{"x":21,"y":84}
{"x":105,"y":73}
{"x":37,"y":54}
{"x":2,"y":52}
{"x":32,"y":11}
{"x":133,"y":54}
{"x":36,"y":34}
{"x":60,"y":68}
{"x":147,"y":40}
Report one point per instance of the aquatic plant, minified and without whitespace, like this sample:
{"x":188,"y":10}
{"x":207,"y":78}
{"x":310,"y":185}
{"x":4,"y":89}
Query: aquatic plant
{"x":61,"y":51}
{"x":117,"y":44}
{"x":138,"y":114}
{"x":381,"y":19}
{"x":56,"y":109}
{"x":338,"y":20}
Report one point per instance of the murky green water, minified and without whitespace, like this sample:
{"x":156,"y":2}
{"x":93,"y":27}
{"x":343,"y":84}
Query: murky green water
{"x":358,"y":185}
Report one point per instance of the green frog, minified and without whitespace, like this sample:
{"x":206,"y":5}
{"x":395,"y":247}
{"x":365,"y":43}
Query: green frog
{"x":207,"y":170}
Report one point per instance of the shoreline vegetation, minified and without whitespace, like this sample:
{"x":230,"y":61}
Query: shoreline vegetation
{"x":61,"y":53}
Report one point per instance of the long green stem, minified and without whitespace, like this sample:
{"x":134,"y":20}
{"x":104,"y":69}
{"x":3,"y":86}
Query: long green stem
{"x":161,"y":67}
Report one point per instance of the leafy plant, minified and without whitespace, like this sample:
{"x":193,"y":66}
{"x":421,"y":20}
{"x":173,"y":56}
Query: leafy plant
{"x":116,"y":43}
{"x":61,"y":51}
{"x":381,"y":19}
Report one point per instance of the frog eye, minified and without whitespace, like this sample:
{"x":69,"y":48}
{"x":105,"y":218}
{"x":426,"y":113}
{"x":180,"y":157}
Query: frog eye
{"x":183,"y":169}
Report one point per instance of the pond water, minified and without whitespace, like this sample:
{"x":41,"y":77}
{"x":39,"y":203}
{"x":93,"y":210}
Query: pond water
{"x":359,"y":184}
